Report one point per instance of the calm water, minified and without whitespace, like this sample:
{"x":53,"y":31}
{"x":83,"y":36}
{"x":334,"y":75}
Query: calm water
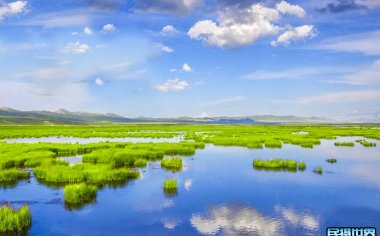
{"x":221,"y":194}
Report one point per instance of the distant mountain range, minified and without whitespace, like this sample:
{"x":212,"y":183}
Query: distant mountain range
{"x":10,"y":116}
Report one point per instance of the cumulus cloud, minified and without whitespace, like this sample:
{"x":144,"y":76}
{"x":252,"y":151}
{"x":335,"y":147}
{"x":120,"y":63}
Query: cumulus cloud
{"x":168,"y":30}
{"x":77,"y":48}
{"x":108,"y":28}
{"x":293,"y":34}
{"x":186,"y":68}
{"x":242,"y":26}
{"x":173,"y":85}
{"x":339,"y":6}
{"x":106,"y":5}
{"x":99,"y":81}
{"x":12,"y":8}
{"x":87,"y":31}
{"x":168,"y":6}
{"x":166,"y":48}
{"x":286,"y":8}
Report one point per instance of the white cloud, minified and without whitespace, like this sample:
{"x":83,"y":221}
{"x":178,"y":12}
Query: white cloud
{"x":99,"y":82}
{"x":59,"y":19}
{"x":173,"y":70}
{"x":241,"y":26}
{"x":77,"y":48}
{"x":168,"y":6}
{"x":166,"y":49}
{"x":44,"y":74}
{"x":12,"y":8}
{"x":108,"y":28}
{"x":173,"y":85}
{"x":338,"y":97}
{"x":368,"y":3}
{"x":286,"y":8}
{"x":169,"y":30}
{"x":296,"y":33}
{"x":299,"y":73}
{"x":369,"y":75}
{"x":37,"y":96}
{"x":87,"y":31}
{"x":224,"y":100}
{"x":366,"y":43}
{"x":186,"y":68}
{"x":17,"y":47}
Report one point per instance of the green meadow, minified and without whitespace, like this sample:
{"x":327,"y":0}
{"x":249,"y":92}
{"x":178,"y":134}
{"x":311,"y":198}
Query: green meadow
{"x":114,"y":163}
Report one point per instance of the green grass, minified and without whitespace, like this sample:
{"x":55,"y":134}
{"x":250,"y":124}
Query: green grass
{"x":13,"y":175}
{"x":12,"y":221}
{"x":79,"y":193}
{"x":141,"y":163}
{"x":90,"y":173}
{"x":332,"y":160}
{"x":364,"y":143}
{"x":344,"y":144}
{"x":170,"y":187}
{"x":174,"y":163}
{"x":318,"y":170}
{"x":301,"y":166}
{"x":278,"y":164}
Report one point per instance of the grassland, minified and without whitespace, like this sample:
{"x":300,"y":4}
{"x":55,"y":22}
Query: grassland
{"x":12,"y":220}
{"x":110,"y":163}
{"x":113,"y":162}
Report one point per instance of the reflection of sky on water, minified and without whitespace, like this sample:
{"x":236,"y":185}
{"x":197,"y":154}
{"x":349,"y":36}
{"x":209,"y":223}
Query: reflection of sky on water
{"x":220,"y":193}
{"x":234,"y":221}
{"x":243,"y":220}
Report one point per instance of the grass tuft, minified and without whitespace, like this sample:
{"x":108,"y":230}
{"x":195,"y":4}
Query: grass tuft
{"x":278,"y":164}
{"x":14,"y":220}
{"x":140,"y":163}
{"x":365,"y":143}
{"x":12,"y":175}
{"x":318,"y":170}
{"x":170,"y":187}
{"x":173,"y":164}
{"x":332,"y":160}
{"x":79,"y":193}
{"x":344,"y":144}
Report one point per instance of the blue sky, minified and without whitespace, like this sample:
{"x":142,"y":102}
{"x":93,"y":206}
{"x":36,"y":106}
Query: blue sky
{"x":167,"y":58}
